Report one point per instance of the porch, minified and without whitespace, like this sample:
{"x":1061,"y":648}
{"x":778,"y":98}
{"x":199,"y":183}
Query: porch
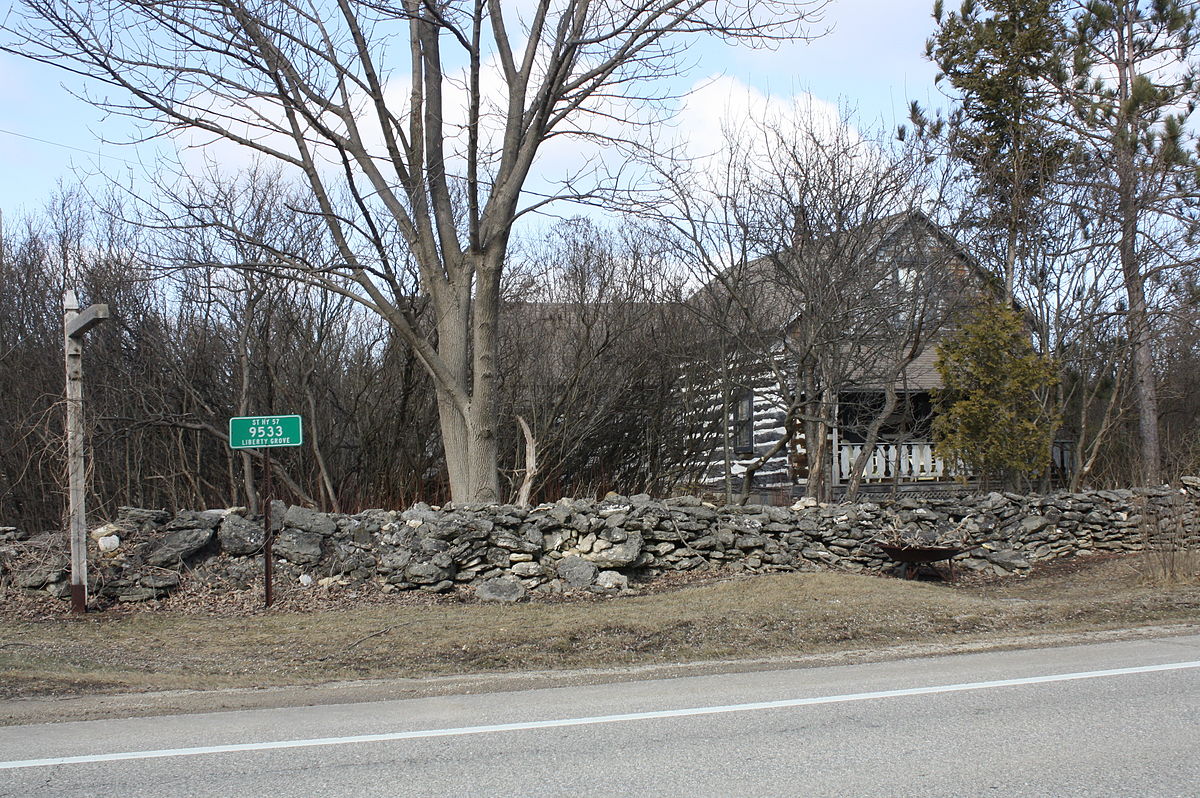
{"x":916,"y":463}
{"x":912,"y":461}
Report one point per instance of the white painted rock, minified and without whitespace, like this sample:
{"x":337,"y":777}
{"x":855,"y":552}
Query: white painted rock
{"x":104,"y":531}
{"x":612,"y":580}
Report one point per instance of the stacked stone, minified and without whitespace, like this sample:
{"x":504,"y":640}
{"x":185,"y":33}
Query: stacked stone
{"x":506,"y":552}
{"x":29,"y":567}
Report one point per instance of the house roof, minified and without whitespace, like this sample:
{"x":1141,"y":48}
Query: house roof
{"x":767,"y":281}
{"x":919,"y":375}
{"x":886,"y":244}
{"x":922,"y":374}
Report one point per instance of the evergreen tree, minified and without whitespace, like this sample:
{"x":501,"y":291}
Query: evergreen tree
{"x":991,"y":419}
{"x":999,"y":58}
{"x":1062,"y":96}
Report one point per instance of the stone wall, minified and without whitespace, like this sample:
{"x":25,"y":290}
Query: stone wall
{"x":505,"y":552}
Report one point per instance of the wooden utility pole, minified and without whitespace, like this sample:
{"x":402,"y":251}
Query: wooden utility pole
{"x":75,"y":325}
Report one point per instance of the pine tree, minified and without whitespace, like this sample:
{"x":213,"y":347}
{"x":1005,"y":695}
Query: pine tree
{"x":999,"y":58}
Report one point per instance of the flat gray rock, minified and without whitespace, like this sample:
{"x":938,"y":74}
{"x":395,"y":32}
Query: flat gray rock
{"x":611,"y":580}
{"x":240,"y":536}
{"x":1034,"y":523}
{"x":527,"y":569}
{"x":134,"y":594}
{"x":620,"y":554}
{"x":309,"y":520}
{"x":177,"y":546}
{"x":426,"y":573}
{"x":576,"y":571}
{"x":1008,"y":560}
{"x":40,"y":577}
{"x":190,"y":519}
{"x":160,"y":580}
{"x":140,"y":515}
{"x":298,"y":546}
{"x":502,"y":589}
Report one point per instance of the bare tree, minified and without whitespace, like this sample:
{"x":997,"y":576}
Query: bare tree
{"x":1128,"y":100}
{"x":1181,"y":383}
{"x":185,"y":350}
{"x":820,"y":267}
{"x":588,"y":353}
{"x":435,"y":178}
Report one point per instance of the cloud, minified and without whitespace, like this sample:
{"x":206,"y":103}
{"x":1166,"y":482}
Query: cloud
{"x":710,"y":114}
{"x":721,"y":109}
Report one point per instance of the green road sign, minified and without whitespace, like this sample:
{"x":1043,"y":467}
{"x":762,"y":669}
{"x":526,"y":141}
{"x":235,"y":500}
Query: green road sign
{"x":253,"y":432}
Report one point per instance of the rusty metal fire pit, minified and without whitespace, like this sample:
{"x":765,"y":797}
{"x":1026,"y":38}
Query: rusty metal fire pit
{"x":911,"y":557}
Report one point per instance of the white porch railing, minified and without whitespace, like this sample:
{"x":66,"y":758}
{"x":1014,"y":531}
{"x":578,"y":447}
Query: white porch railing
{"x":910,"y":462}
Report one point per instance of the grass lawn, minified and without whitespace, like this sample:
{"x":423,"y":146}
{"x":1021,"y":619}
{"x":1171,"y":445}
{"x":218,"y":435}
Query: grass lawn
{"x":206,"y":641}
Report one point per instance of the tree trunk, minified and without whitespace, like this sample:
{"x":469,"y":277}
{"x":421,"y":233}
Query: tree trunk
{"x":1138,"y":319}
{"x":471,"y":451}
{"x":860,"y":462}
{"x":817,"y":439}
{"x":1084,"y":464}
{"x":484,"y":417}
{"x":1145,"y":390}
{"x":1010,"y":262}
{"x":314,"y":440}
{"x":466,"y":407}
{"x":531,"y":467}
{"x":726,"y":443}
{"x":814,"y":434}
{"x":483,"y":455}
{"x":1144,"y":387}
{"x":789,"y":431}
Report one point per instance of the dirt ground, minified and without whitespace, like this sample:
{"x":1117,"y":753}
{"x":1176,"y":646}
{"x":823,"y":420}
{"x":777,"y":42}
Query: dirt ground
{"x":325,"y":637}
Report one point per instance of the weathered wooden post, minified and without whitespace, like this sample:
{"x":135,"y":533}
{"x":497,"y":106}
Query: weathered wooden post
{"x":75,"y":326}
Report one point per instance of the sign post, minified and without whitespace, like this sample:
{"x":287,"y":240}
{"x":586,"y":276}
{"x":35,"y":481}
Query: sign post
{"x":75,"y":326}
{"x":262,"y":432}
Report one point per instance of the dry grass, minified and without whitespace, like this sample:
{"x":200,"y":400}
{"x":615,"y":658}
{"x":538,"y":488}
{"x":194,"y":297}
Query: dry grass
{"x":777,"y":615}
{"x":1168,"y":559}
{"x":1168,"y":566}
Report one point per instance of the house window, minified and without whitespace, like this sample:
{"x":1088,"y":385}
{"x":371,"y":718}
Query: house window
{"x":743,"y":422}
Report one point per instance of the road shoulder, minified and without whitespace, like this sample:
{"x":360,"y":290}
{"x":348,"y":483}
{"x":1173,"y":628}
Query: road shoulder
{"x":22,"y":711}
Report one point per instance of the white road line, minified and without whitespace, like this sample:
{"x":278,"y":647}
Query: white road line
{"x":588,"y":721}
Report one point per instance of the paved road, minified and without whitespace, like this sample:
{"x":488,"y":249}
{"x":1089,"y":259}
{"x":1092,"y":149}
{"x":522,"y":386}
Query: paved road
{"x":1113,"y":719}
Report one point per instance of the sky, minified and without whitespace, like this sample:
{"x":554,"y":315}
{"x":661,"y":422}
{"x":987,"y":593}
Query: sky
{"x":871,"y":62}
